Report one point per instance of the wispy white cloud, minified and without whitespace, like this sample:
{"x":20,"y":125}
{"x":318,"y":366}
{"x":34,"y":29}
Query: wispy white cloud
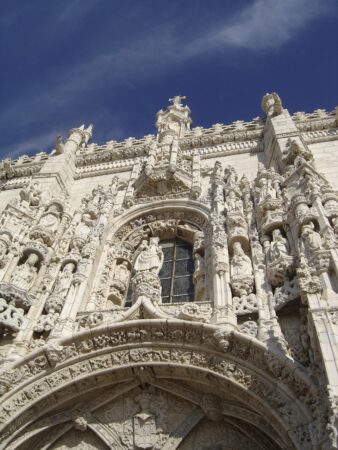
{"x":266,"y":24}
{"x":33,"y":145}
{"x":263,"y":25}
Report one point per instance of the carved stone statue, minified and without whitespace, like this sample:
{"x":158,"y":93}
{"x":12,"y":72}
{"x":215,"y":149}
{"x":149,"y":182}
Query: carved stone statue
{"x":31,"y":195}
{"x":64,"y":280}
{"x":199,"y":277}
{"x":217,"y":172}
{"x":233,"y":203}
{"x":151,"y":161}
{"x":51,"y":218}
{"x":150,"y":257}
{"x":272,"y":104}
{"x":84,"y":227}
{"x":25,"y":274}
{"x":266,"y":191}
{"x":279,"y":245}
{"x":10,"y":316}
{"x":311,"y":239}
{"x":59,"y":145}
{"x":122,"y":272}
{"x":240,"y":263}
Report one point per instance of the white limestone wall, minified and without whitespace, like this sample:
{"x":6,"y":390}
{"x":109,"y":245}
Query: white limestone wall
{"x":86,"y":185}
{"x":326,"y":160}
{"x":6,"y":197}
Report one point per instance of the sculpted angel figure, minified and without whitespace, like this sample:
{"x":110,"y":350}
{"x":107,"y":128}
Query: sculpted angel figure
{"x":150,"y":257}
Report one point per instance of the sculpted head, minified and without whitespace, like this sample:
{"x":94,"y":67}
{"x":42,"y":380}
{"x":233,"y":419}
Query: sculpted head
{"x":32,"y":259}
{"x":276,"y":233}
{"x":69,"y":267}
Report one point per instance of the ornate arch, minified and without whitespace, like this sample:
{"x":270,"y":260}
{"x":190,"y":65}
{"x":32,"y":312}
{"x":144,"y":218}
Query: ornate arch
{"x":188,"y":211}
{"x":166,"y":219}
{"x":161,"y":352}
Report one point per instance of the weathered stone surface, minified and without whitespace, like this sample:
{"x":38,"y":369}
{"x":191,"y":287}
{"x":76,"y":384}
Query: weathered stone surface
{"x":177,"y":291}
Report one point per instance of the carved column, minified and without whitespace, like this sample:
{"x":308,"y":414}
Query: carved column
{"x":196,"y":176}
{"x":130,"y":189}
{"x":219,"y":265}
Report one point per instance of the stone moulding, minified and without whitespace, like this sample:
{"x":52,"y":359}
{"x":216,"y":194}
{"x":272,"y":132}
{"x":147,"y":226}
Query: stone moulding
{"x":247,"y":363}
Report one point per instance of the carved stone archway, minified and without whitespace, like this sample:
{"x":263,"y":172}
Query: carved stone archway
{"x":190,"y":360}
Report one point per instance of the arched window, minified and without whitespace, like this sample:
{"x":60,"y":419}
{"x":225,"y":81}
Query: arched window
{"x":177,"y":272}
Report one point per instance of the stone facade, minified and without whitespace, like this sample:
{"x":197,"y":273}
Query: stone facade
{"x":178,"y":291}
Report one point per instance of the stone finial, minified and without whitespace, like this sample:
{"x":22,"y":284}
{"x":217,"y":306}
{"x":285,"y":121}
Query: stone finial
{"x":177,"y":100}
{"x":175,"y":120}
{"x":272,"y":104}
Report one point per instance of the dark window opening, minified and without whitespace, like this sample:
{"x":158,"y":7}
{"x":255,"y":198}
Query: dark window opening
{"x":177,"y":272}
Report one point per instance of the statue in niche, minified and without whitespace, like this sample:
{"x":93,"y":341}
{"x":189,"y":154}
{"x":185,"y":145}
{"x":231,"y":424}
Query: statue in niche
{"x":152,"y":153}
{"x":122,"y":273}
{"x":217,"y":172}
{"x":266,"y":191}
{"x":199,"y":277}
{"x":231,"y":176}
{"x":25,"y":274}
{"x":279,"y":245}
{"x":98,"y":197}
{"x":51,"y":218}
{"x":84,"y":227}
{"x":64,"y":280}
{"x":233,"y":203}
{"x":240,"y":262}
{"x":311,"y":239}
{"x":150,"y":257}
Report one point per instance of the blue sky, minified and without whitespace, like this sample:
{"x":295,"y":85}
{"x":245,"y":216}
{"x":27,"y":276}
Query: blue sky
{"x":115,"y":63}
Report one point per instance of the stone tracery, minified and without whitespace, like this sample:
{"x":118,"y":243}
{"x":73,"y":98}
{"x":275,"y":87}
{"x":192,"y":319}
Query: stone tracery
{"x":82,"y":304}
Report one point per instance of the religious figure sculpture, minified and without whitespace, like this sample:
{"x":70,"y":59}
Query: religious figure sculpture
{"x":122,"y":273}
{"x":31,"y":195}
{"x":150,"y":257}
{"x":151,"y":159}
{"x":233,"y":203}
{"x":84,"y":227}
{"x":240,"y":262}
{"x":311,"y":239}
{"x":199,"y":277}
{"x":279,"y":245}
{"x":272,"y":104}
{"x":51,"y":218}
{"x":266,"y":191}
{"x":64,"y":280}
{"x":217,"y":172}
{"x":25,"y":274}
